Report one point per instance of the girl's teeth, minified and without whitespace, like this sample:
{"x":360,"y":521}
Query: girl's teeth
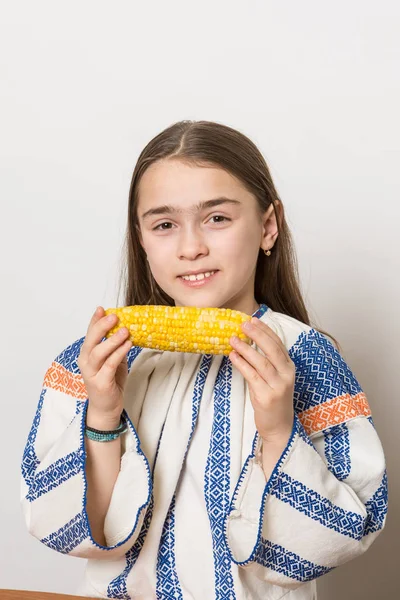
{"x":198,"y":277}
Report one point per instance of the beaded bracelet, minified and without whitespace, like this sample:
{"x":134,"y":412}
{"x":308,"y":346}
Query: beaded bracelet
{"x":98,"y":435}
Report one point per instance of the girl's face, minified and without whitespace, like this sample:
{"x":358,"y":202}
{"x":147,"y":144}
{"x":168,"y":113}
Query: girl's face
{"x":201,"y":223}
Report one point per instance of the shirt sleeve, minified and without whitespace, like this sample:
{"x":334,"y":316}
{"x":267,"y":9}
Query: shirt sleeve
{"x":53,"y":482}
{"x":326,"y":500}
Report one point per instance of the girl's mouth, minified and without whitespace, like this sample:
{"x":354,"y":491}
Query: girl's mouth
{"x":198,"y":280}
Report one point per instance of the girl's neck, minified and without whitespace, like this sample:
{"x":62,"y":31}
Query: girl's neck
{"x":249,"y":307}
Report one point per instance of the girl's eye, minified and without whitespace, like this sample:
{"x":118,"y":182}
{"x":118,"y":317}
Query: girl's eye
{"x":220,"y":217}
{"x":160,"y":226}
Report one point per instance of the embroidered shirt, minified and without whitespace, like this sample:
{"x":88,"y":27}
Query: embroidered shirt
{"x":192,"y":515}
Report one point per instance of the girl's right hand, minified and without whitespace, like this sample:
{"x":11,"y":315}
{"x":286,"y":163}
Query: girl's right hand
{"x":104,"y":369}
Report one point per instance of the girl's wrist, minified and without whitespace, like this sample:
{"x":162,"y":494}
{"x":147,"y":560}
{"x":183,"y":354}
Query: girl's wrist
{"x":102,"y":421}
{"x":271,"y":451}
{"x":277,"y":438}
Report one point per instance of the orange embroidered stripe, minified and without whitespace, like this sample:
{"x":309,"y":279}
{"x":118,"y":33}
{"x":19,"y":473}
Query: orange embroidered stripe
{"x":58,"y":378}
{"x":335,"y":411}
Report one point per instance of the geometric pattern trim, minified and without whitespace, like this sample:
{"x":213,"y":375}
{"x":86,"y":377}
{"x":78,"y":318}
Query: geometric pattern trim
{"x":57,"y":473}
{"x":377,"y":507}
{"x":337,"y":450}
{"x":132,"y":354}
{"x":167,"y":578}
{"x":318,"y":508}
{"x":334,"y":412}
{"x":69,"y":536}
{"x":30,"y":461}
{"x":69,"y":356}
{"x":59,"y":378}
{"x":321,"y":372}
{"x":287,"y":563}
{"x":217,"y":481}
{"x":198,"y":390}
{"x":260,"y":311}
{"x":168,"y":587}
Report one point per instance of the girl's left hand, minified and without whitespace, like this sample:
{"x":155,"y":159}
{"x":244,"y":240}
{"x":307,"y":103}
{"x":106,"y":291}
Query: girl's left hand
{"x":271,"y":379}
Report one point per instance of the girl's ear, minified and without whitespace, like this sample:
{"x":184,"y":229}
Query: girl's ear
{"x":270,"y":225}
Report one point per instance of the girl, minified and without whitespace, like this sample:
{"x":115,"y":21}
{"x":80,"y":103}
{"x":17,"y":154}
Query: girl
{"x":237,"y":477}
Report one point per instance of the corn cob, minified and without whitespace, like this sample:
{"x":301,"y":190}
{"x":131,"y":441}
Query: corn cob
{"x":181,"y":328}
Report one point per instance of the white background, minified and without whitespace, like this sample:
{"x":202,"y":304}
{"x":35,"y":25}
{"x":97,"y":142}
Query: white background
{"x":85,"y":85}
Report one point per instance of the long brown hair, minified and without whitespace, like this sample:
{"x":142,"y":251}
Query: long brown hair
{"x":206,"y":142}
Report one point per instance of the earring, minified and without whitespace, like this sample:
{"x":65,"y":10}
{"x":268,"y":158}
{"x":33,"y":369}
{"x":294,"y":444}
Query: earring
{"x":267,"y":252}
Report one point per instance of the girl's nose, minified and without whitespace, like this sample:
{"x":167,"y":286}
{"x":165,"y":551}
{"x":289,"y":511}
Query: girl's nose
{"x":191,"y":246}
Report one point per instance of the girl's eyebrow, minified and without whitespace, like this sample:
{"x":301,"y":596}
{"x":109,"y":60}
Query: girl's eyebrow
{"x":169,"y":209}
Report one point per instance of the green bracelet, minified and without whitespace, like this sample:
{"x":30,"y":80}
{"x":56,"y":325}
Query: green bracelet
{"x":97,"y":435}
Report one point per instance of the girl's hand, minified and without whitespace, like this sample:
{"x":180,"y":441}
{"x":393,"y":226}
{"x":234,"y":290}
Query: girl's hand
{"x":104,"y":369}
{"x":270,"y":378}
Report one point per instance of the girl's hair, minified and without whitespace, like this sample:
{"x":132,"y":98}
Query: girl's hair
{"x":204,"y":143}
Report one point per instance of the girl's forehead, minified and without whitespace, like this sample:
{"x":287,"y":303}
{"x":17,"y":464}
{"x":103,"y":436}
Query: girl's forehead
{"x":179,"y":183}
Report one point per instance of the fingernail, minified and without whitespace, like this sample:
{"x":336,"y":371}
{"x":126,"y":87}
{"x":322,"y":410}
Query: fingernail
{"x":247,"y":325}
{"x":110,"y":318}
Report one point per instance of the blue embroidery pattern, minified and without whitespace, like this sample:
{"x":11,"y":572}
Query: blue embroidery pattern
{"x":80,"y":405}
{"x":310,"y":503}
{"x":321,"y":372}
{"x":260,"y":311}
{"x":132,"y":354}
{"x":56,"y":474}
{"x":167,"y":578}
{"x":377,"y":507}
{"x":68,"y":357}
{"x":117,"y":587}
{"x":217,"y":482}
{"x":69,"y":536}
{"x":288,"y":563}
{"x":337,"y":450}
{"x":30,"y":461}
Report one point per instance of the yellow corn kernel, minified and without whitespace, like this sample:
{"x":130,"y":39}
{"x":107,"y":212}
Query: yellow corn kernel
{"x":181,"y":328}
